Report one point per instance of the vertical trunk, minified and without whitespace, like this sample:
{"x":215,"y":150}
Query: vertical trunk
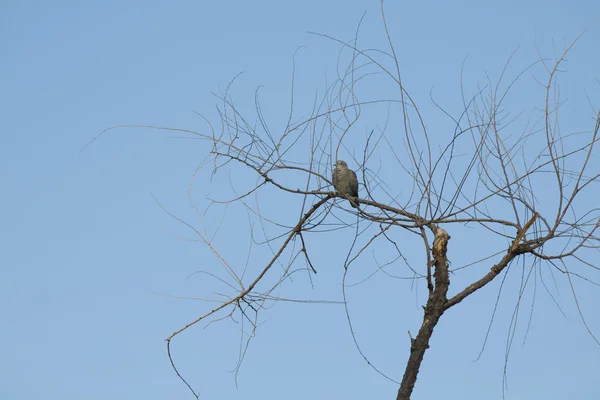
{"x":433,"y":311}
{"x":418,"y":347}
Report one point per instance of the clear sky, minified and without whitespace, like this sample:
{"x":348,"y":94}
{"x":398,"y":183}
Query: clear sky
{"x":86,"y":252}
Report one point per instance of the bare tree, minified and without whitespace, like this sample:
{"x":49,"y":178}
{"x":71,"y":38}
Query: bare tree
{"x":524,"y":191}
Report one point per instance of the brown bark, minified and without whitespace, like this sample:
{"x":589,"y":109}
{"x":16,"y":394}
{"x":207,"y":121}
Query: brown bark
{"x":434,"y":309}
{"x":517,"y":248}
{"x":438,"y":301}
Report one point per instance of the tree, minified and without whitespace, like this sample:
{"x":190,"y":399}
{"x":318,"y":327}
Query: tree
{"x":485,"y":183}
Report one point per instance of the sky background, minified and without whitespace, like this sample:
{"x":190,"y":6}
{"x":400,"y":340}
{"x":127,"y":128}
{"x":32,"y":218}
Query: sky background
{"x":86,"y":252}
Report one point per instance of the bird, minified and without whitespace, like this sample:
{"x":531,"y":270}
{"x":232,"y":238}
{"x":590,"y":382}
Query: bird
{"x":345,"y":181}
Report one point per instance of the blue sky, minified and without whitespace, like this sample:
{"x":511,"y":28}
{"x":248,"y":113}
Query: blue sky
{"x":86,"y":251}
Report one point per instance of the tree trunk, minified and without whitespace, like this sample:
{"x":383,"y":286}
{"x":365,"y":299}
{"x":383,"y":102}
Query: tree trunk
{"x":418,"y":347}
{"x":433,"y":311}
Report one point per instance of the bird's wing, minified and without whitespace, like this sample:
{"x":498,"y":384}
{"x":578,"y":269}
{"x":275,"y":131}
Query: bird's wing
{"x":334,"y":178}
{"x":353,"y":183}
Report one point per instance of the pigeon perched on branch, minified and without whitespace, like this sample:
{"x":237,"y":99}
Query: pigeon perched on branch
{"x":345,"y":181}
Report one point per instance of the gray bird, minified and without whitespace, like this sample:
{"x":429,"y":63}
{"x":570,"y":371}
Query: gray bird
{"x":345,"y":181}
